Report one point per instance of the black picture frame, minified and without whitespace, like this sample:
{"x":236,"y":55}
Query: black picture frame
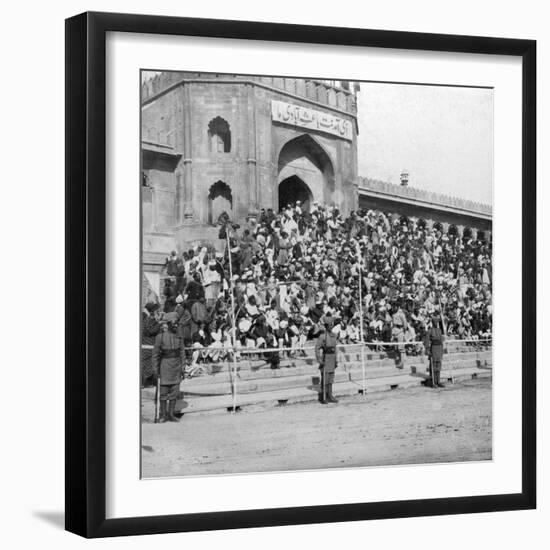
{"x":86,"y":274}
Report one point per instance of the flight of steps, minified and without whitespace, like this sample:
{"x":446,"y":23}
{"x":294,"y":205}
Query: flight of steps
{"x":297,"y":379}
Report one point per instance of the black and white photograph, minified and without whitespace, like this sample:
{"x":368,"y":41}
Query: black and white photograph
{"x":316,"y":273}
{"x":274,"y":275}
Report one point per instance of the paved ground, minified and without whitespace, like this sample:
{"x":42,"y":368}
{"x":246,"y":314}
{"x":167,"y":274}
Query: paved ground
{"x":416,"y":425}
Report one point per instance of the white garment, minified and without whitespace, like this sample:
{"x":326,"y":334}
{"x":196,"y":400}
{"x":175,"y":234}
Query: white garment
{"x":289,"y":225}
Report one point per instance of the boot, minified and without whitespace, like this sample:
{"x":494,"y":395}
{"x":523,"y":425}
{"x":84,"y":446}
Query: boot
{"x":437,"y":379}
{"x":171,"y":408}
{"x":331,"y":398}
{"x":162,"y":412}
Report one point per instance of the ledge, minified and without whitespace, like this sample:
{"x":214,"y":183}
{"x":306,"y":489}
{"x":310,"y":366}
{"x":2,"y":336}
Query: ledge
{"x":424,"y":198}
{"x":162,"y":148}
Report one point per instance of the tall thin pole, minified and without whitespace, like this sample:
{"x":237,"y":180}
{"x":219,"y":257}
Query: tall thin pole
{"x":444,"y":324}
{"x":442,"y":315}
{"x":233,"y":329}
{"x":360,"y":257}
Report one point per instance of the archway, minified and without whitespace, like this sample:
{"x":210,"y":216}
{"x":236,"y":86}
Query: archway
{"x":303,"y":159}
{"x":219,"y":136}
{"x":293,"y":189}
{"x":220,"y":199}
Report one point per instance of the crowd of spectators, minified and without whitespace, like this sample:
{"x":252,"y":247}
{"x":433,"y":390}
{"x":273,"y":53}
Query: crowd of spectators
{"x":292,"y":268}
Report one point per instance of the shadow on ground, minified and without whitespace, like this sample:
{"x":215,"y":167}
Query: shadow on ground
{"x":57,"y":519}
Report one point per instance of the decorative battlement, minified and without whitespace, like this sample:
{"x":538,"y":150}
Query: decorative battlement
{"x":329,"y":93}
{"x":423,"y":196}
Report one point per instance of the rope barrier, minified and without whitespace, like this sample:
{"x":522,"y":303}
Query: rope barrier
{"x":247,"y":350}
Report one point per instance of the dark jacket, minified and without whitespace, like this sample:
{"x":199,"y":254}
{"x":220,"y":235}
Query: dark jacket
{"x":433,"y":342}
{"x":168,"y":355}
{"x":325,"y":351}
{"x":194,"y":290}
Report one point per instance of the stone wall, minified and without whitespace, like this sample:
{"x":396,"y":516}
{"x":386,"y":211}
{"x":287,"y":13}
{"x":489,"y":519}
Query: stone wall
{"x":429,"y":206}
{"x":181,"y":165}
{"x":318,"y":91}
{"x":425,"y":196}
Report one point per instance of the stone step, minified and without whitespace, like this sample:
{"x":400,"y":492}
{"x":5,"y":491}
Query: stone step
{"x":370,"y":349}
{"x":310,"y":379}
{"x":355,"y":354}
{"x":251,"y":371}
{"x":273,"y":383}
{"x":287,"y":396}
{"x":287,"y":376}
{"x":453,"y":365}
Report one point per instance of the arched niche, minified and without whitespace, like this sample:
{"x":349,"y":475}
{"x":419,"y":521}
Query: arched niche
{"x":220,"y":200}
{"x":219,"y":136}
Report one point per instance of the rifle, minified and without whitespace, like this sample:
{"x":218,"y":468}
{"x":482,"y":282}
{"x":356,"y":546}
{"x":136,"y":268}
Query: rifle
{"x":324,"y":383}
{"x":324,"y":376}
{"x":157,"y":399}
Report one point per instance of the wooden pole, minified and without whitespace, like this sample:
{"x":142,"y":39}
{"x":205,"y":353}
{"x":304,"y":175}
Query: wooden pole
{"x":233,"y":329}
{"x":361,"y":316}
{"x":443,"y":323}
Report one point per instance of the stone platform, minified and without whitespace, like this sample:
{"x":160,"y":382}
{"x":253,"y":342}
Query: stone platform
{"x":297,"y":379}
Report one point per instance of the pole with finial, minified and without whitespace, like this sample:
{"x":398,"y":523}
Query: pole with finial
{"x":360,"y":259}
{"x":226,"y":225}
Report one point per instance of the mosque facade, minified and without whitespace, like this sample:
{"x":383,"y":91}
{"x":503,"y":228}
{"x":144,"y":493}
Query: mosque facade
{"x":214,"y":143}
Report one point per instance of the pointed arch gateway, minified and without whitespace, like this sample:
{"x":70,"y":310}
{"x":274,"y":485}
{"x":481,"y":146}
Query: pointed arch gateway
{"x":220,"y":200}
{"x":305,"y":173}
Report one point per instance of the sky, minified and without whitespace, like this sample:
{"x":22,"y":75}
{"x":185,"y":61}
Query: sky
{"x":443,"y":136}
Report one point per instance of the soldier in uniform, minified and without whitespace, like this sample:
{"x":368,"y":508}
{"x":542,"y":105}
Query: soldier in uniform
{"x":168,"y":362}
{"x":150,"y":327}
{"x":433,"y":343}
{"x":325,"y":351}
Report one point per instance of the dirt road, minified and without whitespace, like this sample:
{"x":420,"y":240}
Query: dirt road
{"x":416,"y":425}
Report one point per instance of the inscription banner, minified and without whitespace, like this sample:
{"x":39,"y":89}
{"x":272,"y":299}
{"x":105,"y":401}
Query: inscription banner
{"x":295,"y":115}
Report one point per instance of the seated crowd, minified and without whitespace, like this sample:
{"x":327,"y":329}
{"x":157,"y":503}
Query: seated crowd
{"x":292,"y":268}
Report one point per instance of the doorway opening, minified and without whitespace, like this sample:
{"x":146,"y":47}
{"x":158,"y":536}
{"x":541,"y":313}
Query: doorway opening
{"x":293,"y":189}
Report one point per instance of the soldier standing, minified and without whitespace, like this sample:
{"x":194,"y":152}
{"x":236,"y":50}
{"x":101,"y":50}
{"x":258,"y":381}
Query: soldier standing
{"x":433,"y":343}
{"x":150,"y":327}
{"x":325,"y":351}
{"x":168,"y":362}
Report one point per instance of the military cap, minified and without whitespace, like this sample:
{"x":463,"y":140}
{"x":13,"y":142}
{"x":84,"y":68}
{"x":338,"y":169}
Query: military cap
{"x":151,"y":306}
